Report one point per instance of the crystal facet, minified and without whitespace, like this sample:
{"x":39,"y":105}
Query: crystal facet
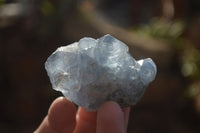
{"x":92,"y":71}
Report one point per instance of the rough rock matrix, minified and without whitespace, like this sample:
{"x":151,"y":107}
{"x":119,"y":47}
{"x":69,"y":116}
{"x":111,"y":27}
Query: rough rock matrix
{"x":92,"y":71}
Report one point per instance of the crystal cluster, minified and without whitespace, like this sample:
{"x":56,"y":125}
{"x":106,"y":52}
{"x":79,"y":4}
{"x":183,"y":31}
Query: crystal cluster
{"x":92,"y":71}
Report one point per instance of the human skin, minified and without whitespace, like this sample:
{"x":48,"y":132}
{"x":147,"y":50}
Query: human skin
{"x":63,"y":117}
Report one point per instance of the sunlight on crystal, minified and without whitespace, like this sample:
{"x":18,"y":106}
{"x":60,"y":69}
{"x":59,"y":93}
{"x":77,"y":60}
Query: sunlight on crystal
{"x":92,"y":71}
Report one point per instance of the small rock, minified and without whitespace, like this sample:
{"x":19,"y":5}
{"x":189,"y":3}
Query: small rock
{"x":92,"y":71}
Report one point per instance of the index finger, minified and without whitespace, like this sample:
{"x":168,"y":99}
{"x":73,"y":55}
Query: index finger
{"x":110,"y":118}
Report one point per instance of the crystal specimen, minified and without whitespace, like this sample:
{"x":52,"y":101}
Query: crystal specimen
{"x":92,"y":71}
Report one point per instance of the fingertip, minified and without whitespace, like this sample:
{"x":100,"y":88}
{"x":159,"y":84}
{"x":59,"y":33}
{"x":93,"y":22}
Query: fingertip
{"x":110,"y":118}
{"x":110,"y":105}
{"x":86,"y":121}
{"x":86,"y":115}
{"x":126,"y":112}
{"x":61,"y":115}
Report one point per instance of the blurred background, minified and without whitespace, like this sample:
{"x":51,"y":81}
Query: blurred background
{"x":168,"y":31}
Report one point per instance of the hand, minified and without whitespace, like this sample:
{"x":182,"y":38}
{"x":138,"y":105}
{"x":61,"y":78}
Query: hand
{"x":63,"y":118}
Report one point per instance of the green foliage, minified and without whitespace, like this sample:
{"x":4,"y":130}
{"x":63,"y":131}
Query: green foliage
{"x":193,"y":90}
{"x":162,"y":30}
{"x":171,"y":32}
{"x":2,"y":2}
{"x":47,"y":8}
{"x":191,"y":62}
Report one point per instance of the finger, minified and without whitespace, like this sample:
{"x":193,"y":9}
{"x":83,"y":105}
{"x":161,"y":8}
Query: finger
{"x":126,"y":117}
{"x":86,"y":121}
{"x":44,"y":127}
{"x":60,"y":118}
{"x":110,"y":118}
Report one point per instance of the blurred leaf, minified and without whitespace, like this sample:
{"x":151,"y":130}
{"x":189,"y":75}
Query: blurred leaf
{"x":191,"y":62}
{"x":47,"y":8}
{"x":171,"y":32}
{"x":189,"y":68}
{"x":2,"y":2}
{"x":162,"y":30}
{"x":193,"y":91}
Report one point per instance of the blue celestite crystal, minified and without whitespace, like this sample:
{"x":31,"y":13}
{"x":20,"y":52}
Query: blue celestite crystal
{"x":92,"y":71}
